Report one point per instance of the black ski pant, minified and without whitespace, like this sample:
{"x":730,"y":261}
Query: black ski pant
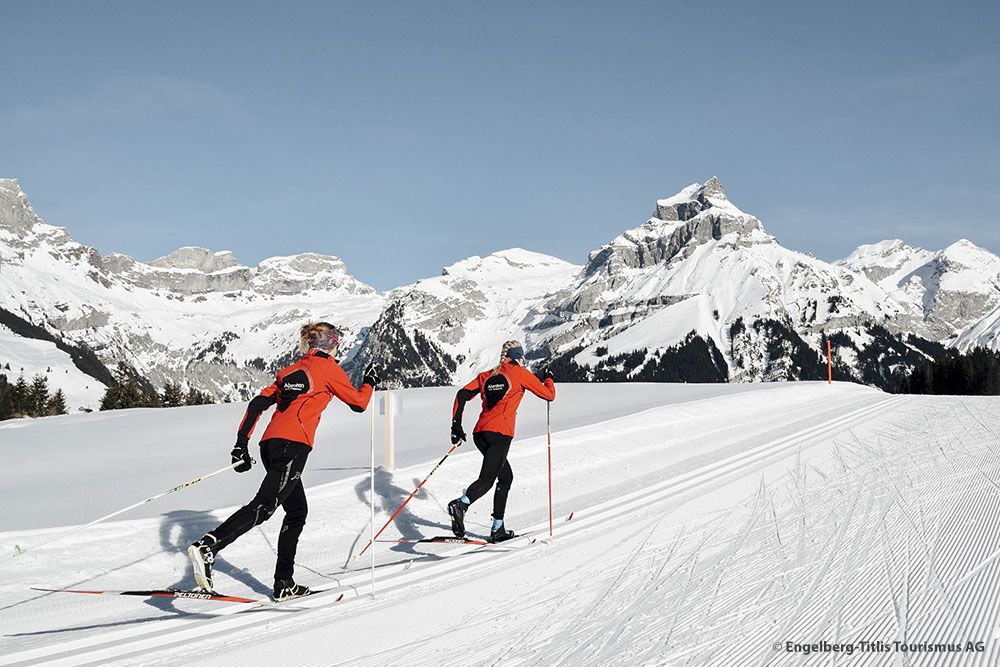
{"x":283,"y":460}
{"x":494,"y":448}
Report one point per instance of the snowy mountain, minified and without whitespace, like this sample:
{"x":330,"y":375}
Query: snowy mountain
{"x":952,"y":289}
{"x":194,"y":316}
{"x":450,"y":327}
{"x":702,"y":265}
{"x":699,"y":292}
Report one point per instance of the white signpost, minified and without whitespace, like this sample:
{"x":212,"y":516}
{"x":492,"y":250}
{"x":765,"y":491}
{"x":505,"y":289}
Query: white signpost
{"x":391,"y":405}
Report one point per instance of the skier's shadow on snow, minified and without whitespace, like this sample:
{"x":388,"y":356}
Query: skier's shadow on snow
{"x":392,"y":496}
{"x":178,"y":529}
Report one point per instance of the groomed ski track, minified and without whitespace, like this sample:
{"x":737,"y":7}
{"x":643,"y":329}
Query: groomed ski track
{"x":825,"y":516}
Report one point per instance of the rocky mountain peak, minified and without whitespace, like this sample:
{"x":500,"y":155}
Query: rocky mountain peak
{"x":698,"y":214}
{"x":713,"y":189}
{"x":16,"y":213}
{"x":306,"y":264}
{"x":694,"y":199}
{"x":10,"y":185}
{"x":197,"y":258}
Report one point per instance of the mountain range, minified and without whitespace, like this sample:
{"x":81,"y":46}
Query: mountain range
{"x":698,"y":292}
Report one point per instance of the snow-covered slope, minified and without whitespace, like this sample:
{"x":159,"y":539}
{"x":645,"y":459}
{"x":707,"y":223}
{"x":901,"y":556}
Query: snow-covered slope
{"x":984,"y":332}
{"x":194,"y":316}
{"x":718,"y":530}
{"x":28,"y":357}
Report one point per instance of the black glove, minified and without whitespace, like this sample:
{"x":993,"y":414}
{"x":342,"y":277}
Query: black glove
{"x":457,"y":433}
{"x":371,"y":377}
{"x":547,"y":374}
{"x":242,"y":456}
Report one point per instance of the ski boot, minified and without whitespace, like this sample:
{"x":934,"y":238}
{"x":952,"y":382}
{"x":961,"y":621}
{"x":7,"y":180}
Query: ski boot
{"x":203,"y":558}
{"x":286,"y":589}
{"x":498,"y":533}
{"x":456,"y":510}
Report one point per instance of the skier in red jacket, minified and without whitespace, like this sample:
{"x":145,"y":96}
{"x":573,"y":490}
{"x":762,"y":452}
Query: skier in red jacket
{"x":301,"y":392}
{"x":501,"y":389}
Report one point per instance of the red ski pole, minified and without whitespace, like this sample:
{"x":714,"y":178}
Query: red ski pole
{"x":408,"y":498}
{"x":548,"y":433}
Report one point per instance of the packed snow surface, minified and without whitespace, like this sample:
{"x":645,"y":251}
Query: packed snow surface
{"x":711,"y":526}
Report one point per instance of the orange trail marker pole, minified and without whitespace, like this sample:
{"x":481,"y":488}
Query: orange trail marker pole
{"x":829,"y":364}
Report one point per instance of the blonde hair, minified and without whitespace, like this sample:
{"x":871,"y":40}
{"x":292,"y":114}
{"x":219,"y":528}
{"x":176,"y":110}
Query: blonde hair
{"x":314,"y":334}
{"x":509,"y":345}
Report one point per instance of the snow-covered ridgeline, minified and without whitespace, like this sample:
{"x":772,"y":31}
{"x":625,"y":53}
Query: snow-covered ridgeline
{"x":194,"y":316}
{"x":698,"y":265}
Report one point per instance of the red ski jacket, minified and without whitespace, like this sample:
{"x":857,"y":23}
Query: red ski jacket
{"x":302,"y":391}
{"x":501,"y":393}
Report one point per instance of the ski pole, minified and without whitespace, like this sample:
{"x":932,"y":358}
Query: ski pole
{"x":413,"y":493}
{"x":548,"y":433}
{"x":372,"y":523}
{"x":192,"y":482}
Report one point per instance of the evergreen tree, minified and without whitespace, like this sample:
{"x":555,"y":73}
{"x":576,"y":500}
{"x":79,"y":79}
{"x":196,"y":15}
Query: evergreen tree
{"x":125,"y":392}
{"x":57,"y":404}
{"x":195,"y":397}
{"x":110,"y":399}
{"x":37,"y":400}
{"x":130,"y":396}
{"x":172,"y":395}
{"x":6,"y":409}
{"x":131,"y":391}
{"x":29,"y":400}
{"x":150,"y":399}
{"x":19,"y":397}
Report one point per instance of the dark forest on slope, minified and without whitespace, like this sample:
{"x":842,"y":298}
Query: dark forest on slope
{"x":893,"y":363}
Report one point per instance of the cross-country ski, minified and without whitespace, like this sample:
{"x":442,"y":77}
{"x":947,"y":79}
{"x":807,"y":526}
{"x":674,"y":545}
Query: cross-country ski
{"x":166,"y":593}
{"x":442,"y":539}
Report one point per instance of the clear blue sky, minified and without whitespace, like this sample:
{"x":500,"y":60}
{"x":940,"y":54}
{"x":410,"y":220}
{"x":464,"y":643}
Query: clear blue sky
{"x":404,"y":136}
